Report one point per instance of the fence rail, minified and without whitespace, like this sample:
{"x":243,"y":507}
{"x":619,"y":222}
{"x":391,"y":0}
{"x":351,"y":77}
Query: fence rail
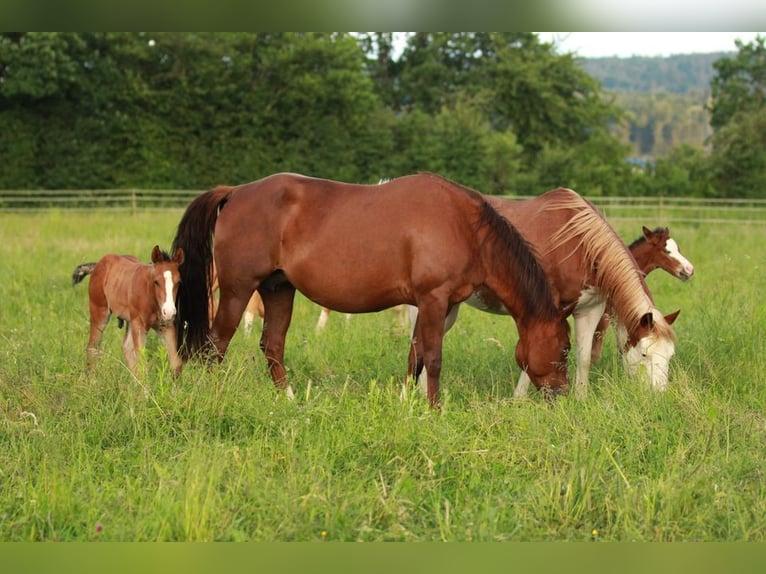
{"x":655,"y":209}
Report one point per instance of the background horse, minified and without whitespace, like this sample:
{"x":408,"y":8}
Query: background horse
{"x":141,"y":295}
{"x":653,"y":250}
{"x":402,"y":317}
{"x":588,"y":264}
{"x":420,"y":239}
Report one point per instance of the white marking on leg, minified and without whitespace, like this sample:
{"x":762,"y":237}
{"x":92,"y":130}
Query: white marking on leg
{"x":249,"y":318}
{"x":587,"y":314}
{"x":522,"y":387}
{"x":322,"y":321}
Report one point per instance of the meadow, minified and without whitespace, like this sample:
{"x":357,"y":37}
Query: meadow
{"x":219,"y":455}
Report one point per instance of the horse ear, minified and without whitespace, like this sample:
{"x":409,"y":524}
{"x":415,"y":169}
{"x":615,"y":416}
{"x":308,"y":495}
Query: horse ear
{"x":647,"y":320}
{"x":178,"y":256}
{"x":672,"y":317}
{"x":645,"y":230}
{"x":156,"y":254}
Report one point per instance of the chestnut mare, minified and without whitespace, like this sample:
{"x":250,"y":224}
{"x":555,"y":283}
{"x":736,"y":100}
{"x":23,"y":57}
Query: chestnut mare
{"x":587,"y":264}
{"x":653,"y":250}
{"x":141,"y":295}
{"x":419,"y":239}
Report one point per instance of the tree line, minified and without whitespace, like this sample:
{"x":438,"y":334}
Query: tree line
{"x":500,"y":112}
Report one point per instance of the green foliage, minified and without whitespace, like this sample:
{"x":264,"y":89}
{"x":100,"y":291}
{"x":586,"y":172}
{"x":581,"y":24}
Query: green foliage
{"x":738,"y":113}
{"x":684,"y":173}
{"x":740,"y":83}
{"x":191,"y":110}
{"x":677,"y":74}
{"x":501,"y":112}
{"x":738,"y":162}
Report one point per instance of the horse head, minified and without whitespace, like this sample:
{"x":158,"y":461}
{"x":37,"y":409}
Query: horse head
{"x":666,"y":254}
{"x":647,"y":350}
{"x":542,"y":352}
{"x":166,"y":279}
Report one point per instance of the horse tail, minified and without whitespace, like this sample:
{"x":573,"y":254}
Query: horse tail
{"x":195,"y":237}
{"x":81,"y":271}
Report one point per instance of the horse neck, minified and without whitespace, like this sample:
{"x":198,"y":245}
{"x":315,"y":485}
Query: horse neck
{"x":642,"y":253}
{"x":613,"y":270}
{"x":513,"y":273}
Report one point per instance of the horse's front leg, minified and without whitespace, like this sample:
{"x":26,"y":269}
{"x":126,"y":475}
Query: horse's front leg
{"x":585,"y":321}
{"x":169,"y":337}
{"x":278,"y":312}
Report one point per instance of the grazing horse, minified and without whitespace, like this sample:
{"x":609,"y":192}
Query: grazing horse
{"x":419,"y":239}
{"x":653,"y":250}
{"x":587,"y":264}
{"x":141,"y":295}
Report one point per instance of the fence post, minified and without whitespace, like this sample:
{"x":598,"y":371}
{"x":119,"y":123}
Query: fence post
{"x":133,"y":201}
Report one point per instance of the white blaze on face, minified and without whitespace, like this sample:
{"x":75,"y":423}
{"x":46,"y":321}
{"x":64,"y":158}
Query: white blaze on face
{"x":168,"y":309}
{"x":649,"y":359}
{"x":671,"y":247}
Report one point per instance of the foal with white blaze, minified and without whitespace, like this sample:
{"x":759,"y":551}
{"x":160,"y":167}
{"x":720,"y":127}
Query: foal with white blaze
{"x":143,"y":296}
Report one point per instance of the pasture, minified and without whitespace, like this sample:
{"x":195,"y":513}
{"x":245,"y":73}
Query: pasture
{"x":218,"y":454}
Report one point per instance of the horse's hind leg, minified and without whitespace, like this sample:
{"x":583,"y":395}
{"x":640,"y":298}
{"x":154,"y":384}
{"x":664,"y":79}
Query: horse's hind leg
{"x":278,"y":307}
{"x":99,"y":317}
{"x":231,"y":306}
{"x":133,"y":344}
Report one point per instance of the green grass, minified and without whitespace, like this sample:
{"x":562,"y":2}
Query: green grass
{"x":219,"y":455}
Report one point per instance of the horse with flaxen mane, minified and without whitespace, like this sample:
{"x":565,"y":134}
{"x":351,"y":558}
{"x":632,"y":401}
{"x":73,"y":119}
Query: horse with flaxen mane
{"x":419,"y":239}
{"x":587,"y":264}
{"x":142,"y":296}
{"x":654,"y":249}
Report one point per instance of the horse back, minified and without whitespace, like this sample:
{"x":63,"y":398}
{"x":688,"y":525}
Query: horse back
{"x":382,"y":238}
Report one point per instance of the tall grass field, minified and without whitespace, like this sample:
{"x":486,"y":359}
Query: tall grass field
{"x":219,"y":455}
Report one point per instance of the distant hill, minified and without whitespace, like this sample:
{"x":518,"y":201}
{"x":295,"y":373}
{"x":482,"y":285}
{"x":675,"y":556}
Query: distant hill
{"x":680,"y":74}
{"x":665,"y":98}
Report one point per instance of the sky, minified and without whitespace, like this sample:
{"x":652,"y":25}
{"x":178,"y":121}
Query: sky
{"x":626,"y":44}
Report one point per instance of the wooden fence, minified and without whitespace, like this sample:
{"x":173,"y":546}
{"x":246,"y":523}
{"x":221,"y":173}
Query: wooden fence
{"x":655,"y":210}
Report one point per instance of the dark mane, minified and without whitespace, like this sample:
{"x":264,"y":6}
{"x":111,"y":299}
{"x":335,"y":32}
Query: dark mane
{"x":165,"y":256}
{"x":528,"y":275}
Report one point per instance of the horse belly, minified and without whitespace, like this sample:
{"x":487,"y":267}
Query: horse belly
{"x":488,"y":302}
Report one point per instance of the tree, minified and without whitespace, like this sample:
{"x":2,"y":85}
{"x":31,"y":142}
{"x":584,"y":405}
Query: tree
{"x":738,"y":115}
{"x":740,"y":82}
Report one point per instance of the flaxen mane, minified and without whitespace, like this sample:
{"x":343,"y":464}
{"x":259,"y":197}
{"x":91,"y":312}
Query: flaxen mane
{"x":615,"y":271}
